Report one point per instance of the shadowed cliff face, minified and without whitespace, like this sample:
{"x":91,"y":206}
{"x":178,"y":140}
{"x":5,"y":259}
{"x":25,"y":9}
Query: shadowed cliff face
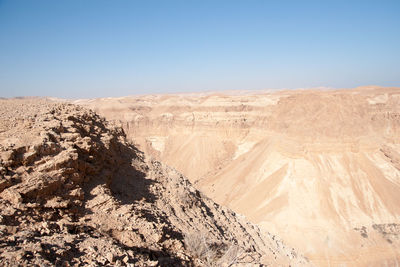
{"x":319,"y":168}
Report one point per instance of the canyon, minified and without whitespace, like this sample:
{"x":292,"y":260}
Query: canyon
{"x":318,"y":167}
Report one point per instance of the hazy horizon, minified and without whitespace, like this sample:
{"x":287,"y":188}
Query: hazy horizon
{"x":88,"y":49}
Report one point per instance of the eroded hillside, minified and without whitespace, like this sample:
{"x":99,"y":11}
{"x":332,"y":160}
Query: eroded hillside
{"x":74,"y":192}
{"x":320,"y":168}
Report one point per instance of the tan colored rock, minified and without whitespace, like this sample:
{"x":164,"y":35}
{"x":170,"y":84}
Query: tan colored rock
{"x":11,"y":195}
{"x":4,"y":183}
{"x":110,"y":257}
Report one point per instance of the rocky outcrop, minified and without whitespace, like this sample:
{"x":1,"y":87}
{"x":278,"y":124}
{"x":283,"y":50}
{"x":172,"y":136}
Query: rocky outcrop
{"x":73,"y":191}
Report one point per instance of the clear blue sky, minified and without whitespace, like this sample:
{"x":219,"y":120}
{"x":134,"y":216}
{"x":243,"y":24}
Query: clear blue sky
{"x":101,"y":48}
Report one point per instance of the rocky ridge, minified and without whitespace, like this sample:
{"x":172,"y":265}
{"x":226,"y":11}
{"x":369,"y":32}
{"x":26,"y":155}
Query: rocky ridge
{"x":74,"y":192}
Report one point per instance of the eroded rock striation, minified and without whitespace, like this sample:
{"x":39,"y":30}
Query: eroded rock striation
{"x":74,"y":192}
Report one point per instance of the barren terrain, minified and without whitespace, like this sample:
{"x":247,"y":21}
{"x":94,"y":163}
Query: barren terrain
{"x":321,"y":168}
{"x":75,"y":192}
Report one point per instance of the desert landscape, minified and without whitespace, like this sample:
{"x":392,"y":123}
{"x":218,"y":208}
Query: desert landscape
{"x":319,"y":168}
{"x":206,"y":133}
{"x":305,"y":177}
